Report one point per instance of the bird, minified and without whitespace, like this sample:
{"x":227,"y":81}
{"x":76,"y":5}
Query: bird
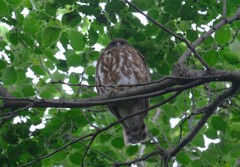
{"x":119,"y":66}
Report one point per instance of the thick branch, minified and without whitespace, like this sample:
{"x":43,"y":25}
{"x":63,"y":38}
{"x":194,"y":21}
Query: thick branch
{"x":168,"y":85}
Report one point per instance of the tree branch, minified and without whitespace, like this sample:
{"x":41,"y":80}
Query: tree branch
{"x":168,"y":85}
{"x":187,"y":53}
{"x":94,"y":135}
{"x":189,"y":45}
{"x":208,"y":111}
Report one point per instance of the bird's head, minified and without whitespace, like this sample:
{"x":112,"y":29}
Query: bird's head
{"x":117,"y":42}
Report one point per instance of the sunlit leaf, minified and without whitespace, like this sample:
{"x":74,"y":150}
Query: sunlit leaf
{"x":223,"y":35}
{"x":76,"y":40}
{"x":211,"y":57}
{"x":74,"y":60}
{"x":51,"y":8}
{"x":50,"y":36}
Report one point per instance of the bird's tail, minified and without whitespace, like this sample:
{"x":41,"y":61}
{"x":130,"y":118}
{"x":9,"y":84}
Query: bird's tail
{"x":135,"y":134}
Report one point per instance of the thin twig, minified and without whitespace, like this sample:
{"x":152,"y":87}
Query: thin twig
{"x":224,"y":11}
{"x":81,"y":80}
{"x":54,"y":152}
{"x":8,"y":115}
{"x":101,"y":153}
{"x":138,"y":159}
{"x":89,"y":145}
{"x":104,"y":129}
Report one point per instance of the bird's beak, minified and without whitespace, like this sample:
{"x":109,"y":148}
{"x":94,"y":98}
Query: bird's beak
{"x":118,"y":44}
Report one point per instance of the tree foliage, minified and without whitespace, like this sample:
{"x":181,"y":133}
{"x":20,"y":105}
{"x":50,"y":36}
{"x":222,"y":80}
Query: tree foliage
{"x":51,"y":115}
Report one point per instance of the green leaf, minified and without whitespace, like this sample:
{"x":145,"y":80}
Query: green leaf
{"x":199,"y":140}
{"x":59,"y":156}
{"x":74,"y":60}
{"x":76,"y":40}
{"x":231,"y":58}
{"x":62,"y":65}
{"x":14,"y":2}
{"x":56,"y":76}
{"x":224,"y":147}
{"x":45,"y":94}
{"x":211,"y":157}
{"x":154,"y":131}
{"x":72,"y":19}
{"x":235,"y":151}
{"x":172,"y":56}
{"x":131,"y":150}
{"x":31,"y":147}
{"x":211,"y":134}
{"x":74,"y":78}
{"x":31,"y":24}
{"x":3,"y":64}
{"x":9,"y":76}
{"x":38,"y":70}
{"x":4,"y":8}
{"x":51,"y":8}
{"x":173,"y":7}
{"x":76,"y":158}
{"x":153,"y":13}
{"x":13,"y":37}
{"x":185,"y":26}
{"x":192,"y":35}
{"x":88,"y":10}
{"x":163,"y":69}
{"x":117,"y":143}
{"x":197,"y":163}
{"x":114,"y":6}
{"x":218,"y":123}
{"x":93,"y":36}
{"x":188,"y":12}
{"x":223,"y":35}
{"x":50,"y":36}
{"x":28,"y":91}
{"x":90,"y":70}
{"x":14,"y":152}
{"x":211,"y":57}
{"x":9,"y":136}
{"x":64,"y":2}
{"x":183,"y":158}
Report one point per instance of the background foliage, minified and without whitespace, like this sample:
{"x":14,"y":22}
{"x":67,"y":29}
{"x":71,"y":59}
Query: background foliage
{"x":42,"y":42}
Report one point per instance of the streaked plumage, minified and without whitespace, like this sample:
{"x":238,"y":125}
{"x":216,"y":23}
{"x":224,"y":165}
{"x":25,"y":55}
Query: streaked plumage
{"x":121,"y":64}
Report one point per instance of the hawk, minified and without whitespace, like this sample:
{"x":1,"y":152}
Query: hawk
{"x":118,"y":66}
